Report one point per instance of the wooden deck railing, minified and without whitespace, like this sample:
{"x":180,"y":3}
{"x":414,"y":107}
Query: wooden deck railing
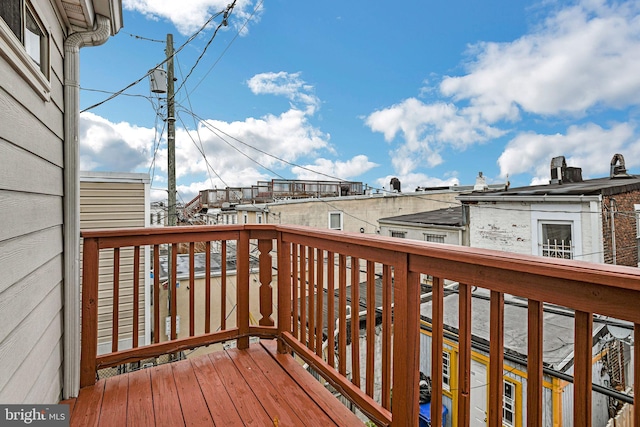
{"x":319,"y":273}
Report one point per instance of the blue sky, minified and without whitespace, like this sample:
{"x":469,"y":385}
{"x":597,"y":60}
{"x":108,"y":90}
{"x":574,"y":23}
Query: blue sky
{"x":430,"y":92}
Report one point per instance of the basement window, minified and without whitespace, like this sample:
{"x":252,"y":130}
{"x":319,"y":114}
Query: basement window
{"x":24,"y":42}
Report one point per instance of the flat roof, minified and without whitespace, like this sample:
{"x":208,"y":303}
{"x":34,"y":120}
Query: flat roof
{"x":448,"y":216}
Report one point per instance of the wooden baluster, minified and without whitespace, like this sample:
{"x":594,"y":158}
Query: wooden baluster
{"x":116,"y":300}
{"x":496,"y":358}
{"x":89,"y":333}
{"x":437,"y":322}
{"x":534,"y":363}
{"x":355,"y":321}
{"x":295,"y":313}
{"x":207,"y":288}
{"x":331,"y":308}
{"x":174,"y":291}
{"x":464,"y":355}
{"x":582,"y":369}
{"x":285,"y":284}
{"x":342,"y":314}
{"x":223,"y":285}
{"x":311,"y":300}
{"x":386,"y":336}
{"x":320,"y":296}
{"x":192,"y":290}
{"x":266,"y":290}
{"x":303,"y":295}
{"x":136,"y":294}
{"x":156,"y":294}
{"x":371,"y":326}
{"x":242,"y":296}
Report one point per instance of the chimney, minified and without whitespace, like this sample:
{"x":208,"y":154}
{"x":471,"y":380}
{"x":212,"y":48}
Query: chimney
{"x":481,"y":183}
{"x":558,"y":166}
{"x":618,"y":170}
{"x":395,"y":185}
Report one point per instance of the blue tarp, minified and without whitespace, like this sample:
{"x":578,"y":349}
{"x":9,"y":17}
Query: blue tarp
{"x":425,"y":414}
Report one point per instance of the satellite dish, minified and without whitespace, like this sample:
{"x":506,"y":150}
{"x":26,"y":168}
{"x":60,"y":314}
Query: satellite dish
{"x":618,"y":332}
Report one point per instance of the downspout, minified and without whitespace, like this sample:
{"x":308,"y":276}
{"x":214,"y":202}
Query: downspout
{"x":72,"y":45}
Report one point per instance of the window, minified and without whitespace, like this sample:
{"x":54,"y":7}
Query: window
{"x":434,"y":238}
{"x":335,"y":220}
{"x":509,"y":404}
{"x":245,"y":218}
{"x":446,"y":371}
{"x":21,"y":19}
{"x":259,"y":218}
{"x":556,"y":240}
{"x":398,"y":234}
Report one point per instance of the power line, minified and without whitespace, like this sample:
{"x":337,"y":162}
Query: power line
{"x":135,"y":36}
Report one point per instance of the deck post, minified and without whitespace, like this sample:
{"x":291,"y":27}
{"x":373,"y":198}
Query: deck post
{"x":284,"y":291}
{"x":266,"y":291}
{"x":89,"y":333}
{"x":406,"y":343}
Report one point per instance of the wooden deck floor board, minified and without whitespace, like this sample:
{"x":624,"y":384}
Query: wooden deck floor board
{"x":290,"y":391}
{"x":247,"y":404}
{"x":194,"y":406}
{"x":115,"y":401}
{"x":88,"y":406}
{"x":168,"y":411}
{"x":254,"y":387}
{"x":140,"y":408}
{"x":218,"y":400}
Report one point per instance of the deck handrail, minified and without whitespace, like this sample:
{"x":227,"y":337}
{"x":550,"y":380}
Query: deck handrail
{"x":305,"y":269}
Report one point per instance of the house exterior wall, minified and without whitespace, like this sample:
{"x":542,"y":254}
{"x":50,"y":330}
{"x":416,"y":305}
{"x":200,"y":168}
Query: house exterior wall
{"x":31,"y":208}
{"x":625,"y":226}
{"x":451,"y":235}
{"x":358,"y":212}
{"x":118,"y":200}
{"x":513,"y":226}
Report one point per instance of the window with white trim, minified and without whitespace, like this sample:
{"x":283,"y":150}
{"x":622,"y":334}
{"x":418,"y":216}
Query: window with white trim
{"x":434,"y":238}
{"x":21,"y":19}
{"x":398,"y":234}
{"x":259,"y":218}
{"x":509,"y":404}
{"x":446,"y":371}
{"x":335,"y":220}
{"x":556,"y":239}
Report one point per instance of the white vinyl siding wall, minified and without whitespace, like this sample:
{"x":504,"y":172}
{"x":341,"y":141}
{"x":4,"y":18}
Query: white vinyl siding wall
{"x":116,"y":201}
{"x":31,"y":244}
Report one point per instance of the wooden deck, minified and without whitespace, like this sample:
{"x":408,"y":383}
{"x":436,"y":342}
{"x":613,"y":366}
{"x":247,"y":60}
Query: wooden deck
{"x":253,"y":387}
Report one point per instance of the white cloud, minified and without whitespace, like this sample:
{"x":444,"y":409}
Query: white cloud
{"x":582,"y":57}
{"x":108,"y":146}
{"x":343,"y":170}
{"x":190,"y":15}
{"x":589,"y":147}
{"x":426,"y":129}
{"x":286,"y":84}
{"x":411,"y":181}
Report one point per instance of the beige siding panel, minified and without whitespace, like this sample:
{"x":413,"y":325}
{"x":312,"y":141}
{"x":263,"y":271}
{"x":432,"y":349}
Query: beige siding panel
{"x":28,"y":133}
{"x":24,"y":213}
{"x":23,"y":94}
{"x":20,"y":299}
{"x":115,"y":205}
{"x":22,"y":340}
{"x":24,"y":172}
{"x":21,"y":256}
{"x":30,"y":385}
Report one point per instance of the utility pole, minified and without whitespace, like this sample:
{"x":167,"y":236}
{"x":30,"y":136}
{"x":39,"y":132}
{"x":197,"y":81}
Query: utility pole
{"x":171,"y":134}
{"x":171,"y":169}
